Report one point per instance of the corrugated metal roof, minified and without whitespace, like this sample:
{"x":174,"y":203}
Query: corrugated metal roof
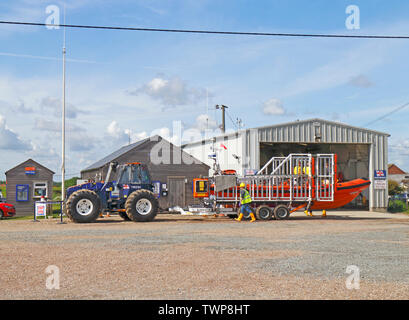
{"x":323,"y":121}
{"x":115,"y":155}
{"x":293,"y":123}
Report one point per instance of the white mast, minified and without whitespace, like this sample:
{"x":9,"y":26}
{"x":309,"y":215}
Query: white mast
{"x":63,"y":120}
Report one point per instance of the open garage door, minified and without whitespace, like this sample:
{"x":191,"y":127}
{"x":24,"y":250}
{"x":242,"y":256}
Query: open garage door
{"x":353,"y":161}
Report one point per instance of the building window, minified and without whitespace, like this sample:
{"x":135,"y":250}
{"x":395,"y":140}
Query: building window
{"x":22,"y":192}
{"x":40,"y":189}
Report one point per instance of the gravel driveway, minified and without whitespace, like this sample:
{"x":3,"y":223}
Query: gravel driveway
{"x":184,"y":257}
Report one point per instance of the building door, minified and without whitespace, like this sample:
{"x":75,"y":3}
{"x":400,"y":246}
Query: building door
{"x":176,"y":191}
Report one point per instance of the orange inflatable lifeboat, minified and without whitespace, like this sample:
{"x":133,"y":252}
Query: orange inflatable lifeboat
{"x":344,"y":193}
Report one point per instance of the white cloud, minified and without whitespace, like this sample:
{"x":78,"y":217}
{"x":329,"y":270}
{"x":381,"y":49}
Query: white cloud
{"x":165,"y":133}
{"x":170,"y":92}
{"x":349,"y":63}
{"x":117,"y":136}
{"x":360,"y":81}
{"x":44,"y":124}
{"x":55,"y":106}
{"x":137,"y":136}
{"x":204,"y":122}
{"x":47,"y":125}
{"x":44,"y":151}
{"x":9,"y":140}
{"x":273,"y":107}
{"x":80,"y":141}
{"x":113,"y":129}
{"x":121,"y":136}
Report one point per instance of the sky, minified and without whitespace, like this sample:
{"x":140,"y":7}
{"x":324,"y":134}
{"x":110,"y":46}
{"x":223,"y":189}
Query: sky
{"x":124,"y":86}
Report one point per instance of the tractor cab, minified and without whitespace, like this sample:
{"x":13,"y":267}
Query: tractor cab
{"x":133,"y":173}
{"x":127,"y":178}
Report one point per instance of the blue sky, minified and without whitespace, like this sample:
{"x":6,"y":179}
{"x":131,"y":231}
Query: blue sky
{"x":143,"y":81}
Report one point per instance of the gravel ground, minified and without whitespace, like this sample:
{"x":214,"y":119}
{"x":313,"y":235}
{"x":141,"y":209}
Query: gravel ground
{"x":184,"y":257}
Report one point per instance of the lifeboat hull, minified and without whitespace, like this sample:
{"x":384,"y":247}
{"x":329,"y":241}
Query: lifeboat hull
{"x":345,"y":192}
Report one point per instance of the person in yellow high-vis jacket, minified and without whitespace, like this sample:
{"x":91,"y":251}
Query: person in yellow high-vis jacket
{"x":299,"y":170}
{"x":245,"y":201}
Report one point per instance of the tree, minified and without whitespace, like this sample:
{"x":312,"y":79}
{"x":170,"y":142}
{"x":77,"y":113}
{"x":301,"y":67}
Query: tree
{"x":394,"y":188}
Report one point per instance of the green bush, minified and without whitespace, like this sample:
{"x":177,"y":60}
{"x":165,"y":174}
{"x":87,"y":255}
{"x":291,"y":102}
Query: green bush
{"x":394,"y":188}
{"x":397,"y":206}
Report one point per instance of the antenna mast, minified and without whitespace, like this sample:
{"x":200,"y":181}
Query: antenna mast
{"x":223,"y":108}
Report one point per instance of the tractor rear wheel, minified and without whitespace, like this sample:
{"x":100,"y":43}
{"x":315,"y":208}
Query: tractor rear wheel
{"x":83,"y":206}
{"x":141,"y":206}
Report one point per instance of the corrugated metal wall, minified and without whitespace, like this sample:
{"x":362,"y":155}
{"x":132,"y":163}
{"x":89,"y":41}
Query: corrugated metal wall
{"x":322,"y":131}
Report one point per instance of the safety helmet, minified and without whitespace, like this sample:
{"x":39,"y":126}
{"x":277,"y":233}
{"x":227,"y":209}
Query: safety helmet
{"x":242,"y":185}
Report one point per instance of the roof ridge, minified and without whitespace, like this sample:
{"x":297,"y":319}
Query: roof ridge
{"x":30,"y":159}
{"x":115,"y":154}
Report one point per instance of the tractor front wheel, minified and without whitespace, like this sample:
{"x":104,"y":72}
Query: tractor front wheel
{"x":141,"y":206}
{"x":83,"y":206}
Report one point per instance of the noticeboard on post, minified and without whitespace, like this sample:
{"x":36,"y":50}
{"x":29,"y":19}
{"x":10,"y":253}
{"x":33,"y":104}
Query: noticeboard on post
{"x":40,"y":209}
{"x":380,"y":184}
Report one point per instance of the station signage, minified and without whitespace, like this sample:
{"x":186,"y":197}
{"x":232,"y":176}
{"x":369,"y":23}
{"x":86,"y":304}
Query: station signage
{"x":380,"y":184}
{"x":250,"y":172}
{"x":380,"y":175}
{"x":30,"y":170}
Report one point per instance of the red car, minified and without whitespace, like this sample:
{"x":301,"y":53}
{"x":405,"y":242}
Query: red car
{"x":7,"y":210}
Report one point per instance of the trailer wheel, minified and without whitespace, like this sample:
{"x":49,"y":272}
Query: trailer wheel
{"x":124,"y":216}
{"x":233,"y":216}
{"x":141,"y":206}
{"x":281,"y":212}
{"x":83,"y":206}
{"x":264,"y":213}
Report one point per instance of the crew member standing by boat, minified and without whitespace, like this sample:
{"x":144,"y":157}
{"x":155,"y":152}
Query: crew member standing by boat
{"x":245,"y":201}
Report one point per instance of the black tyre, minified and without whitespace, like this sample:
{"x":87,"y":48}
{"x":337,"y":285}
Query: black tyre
{"x":281,"y":212}
{"x":65,"y":211}
{"x":264,"y":213}
{"x":1,"y":214}
{"x":83,"y":206}
{"x":234,"y":216}
{"x":141,"y":206}
{"x":124,"y":216}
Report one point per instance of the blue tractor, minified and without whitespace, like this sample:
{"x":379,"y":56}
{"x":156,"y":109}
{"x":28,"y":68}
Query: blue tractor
{"x":130,"y":193}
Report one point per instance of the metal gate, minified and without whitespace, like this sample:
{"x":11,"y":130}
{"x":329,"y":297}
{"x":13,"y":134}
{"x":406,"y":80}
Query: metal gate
{"x":295,"y":178}
{"x":325,"y":173}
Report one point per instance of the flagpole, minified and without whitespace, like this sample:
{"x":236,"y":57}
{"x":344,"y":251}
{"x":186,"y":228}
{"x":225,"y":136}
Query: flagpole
{"x":63,"y":121}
